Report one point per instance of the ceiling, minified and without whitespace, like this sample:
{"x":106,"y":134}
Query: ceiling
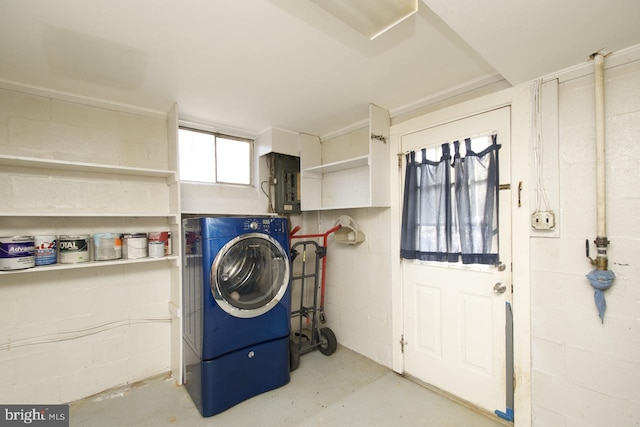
{"x":254,"y":64}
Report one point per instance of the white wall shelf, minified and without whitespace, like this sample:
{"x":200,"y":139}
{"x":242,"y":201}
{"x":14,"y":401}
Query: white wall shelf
{"x":89,"y":264}
{"x":340,"y":165}
{"x":38,"y":163}
{"x":341,"y":206}
{"x":349,"y":171}
{"x":71,"y":214}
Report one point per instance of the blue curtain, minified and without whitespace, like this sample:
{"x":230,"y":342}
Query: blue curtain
{"x":445,"y":220}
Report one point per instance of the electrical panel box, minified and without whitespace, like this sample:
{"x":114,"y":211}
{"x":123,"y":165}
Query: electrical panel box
{"x":286,"y":183}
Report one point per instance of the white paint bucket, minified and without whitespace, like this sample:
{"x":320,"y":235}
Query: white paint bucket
{"x":156,"y":249}
{"x":73,"y":249}
{"x":134,"y":245}
{"x":107,"y":246}
{"x":17,"y":252}
{"x":46,"y":250}
{"x":164,"y":237}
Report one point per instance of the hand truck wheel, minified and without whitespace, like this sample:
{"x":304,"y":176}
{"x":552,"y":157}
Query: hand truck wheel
{"x":328,"y":341}
{"x":294,"y":356}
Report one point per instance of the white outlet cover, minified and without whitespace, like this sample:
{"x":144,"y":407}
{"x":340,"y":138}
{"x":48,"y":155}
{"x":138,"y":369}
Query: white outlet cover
{"x":543,"y":220}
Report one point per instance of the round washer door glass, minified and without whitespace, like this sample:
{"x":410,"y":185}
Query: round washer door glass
{"x":250,"y":275}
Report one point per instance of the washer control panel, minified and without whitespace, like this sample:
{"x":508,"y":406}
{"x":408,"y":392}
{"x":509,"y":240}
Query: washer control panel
{"x":264,"y":225}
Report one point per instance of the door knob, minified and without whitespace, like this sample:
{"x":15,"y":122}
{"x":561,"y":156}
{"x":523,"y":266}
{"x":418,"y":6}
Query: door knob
{"x":499,"y":288}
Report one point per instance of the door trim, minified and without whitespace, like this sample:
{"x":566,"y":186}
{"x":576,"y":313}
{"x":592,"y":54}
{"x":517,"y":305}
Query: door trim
{"x":519,"y":100}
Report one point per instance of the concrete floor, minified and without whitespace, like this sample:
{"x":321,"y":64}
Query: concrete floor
{"x":344,"y":389}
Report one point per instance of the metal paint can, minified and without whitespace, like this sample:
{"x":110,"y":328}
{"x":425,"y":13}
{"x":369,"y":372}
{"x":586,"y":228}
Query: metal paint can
{"x":134,"y":245}
{"x":164,"y":237}
{"x":17,"y":252}
{"x":107,"y":246}
{"x":73,"y":249}
{"x":156,"y":249}
{"x":46,"y":250}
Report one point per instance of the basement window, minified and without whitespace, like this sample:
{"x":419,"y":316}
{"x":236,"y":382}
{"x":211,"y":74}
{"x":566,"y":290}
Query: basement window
{"x":210,"y":157}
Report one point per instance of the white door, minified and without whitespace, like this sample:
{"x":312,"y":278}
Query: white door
{"x":454,"y":320}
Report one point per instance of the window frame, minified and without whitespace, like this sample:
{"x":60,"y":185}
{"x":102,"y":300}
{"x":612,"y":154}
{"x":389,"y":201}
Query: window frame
{"x":216,"y":134}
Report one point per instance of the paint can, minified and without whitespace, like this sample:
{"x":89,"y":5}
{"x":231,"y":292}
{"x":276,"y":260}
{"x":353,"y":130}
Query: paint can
{"x":164,"y":237}
{"x":73,"y":249}
{"x":134,"y":245}
{"x":17,"y":252}
{"x":46,"y":250}
{"x":156,"y":249}
{"x":107,"y":246}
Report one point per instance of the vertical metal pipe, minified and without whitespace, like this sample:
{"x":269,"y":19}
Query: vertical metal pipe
{"x":601,"y":197}
{"x":600,"y":163}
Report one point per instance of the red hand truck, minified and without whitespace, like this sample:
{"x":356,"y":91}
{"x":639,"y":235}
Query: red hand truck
{"x":309,"y":335}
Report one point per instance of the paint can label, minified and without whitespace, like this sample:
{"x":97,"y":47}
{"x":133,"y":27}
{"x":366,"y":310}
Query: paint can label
{"x":73,"y":249}
{"x":17,"y":252}
{"x":46,"y":250}
{"x":107,"y":246}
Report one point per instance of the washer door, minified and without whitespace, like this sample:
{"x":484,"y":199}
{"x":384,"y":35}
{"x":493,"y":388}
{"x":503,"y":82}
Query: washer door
{"x":250,"y":275}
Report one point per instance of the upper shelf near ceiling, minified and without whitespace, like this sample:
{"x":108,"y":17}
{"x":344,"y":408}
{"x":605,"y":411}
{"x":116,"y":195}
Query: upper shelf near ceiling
{"x":350,"y":171}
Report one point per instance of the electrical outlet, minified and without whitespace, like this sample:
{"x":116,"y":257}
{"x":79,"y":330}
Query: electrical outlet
{"x":543,"y":220}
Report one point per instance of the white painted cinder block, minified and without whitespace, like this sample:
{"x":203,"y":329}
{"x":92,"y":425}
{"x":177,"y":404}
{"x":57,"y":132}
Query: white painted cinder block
{"x":68,"y":334}
{"x":550,"y":357}
{"x":358,"y":296}
{"x":579,"y":405}
{"x":585,"y":372}
{"x":607,"y":374}
{"x":545,"y":417}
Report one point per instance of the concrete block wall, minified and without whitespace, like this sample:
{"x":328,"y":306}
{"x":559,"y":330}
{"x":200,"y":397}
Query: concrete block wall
{"x":68,"y":334}
{"x":39,"y":126}
{"x":587,"y":373}
{"x":358,"y":284}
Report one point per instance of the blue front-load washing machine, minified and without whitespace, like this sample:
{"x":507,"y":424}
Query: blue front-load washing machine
{"x":236,"y":306}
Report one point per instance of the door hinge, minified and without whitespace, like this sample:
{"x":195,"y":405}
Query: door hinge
{"x":402,"y":343}
{"x":400,"y":160}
